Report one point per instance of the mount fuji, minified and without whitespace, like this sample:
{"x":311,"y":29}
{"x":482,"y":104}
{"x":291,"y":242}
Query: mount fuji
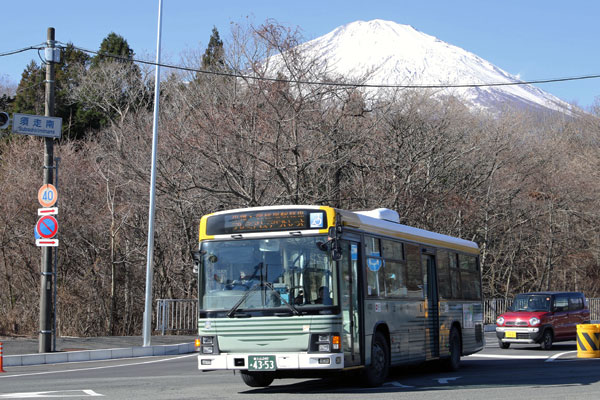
{"x":394,"y":54}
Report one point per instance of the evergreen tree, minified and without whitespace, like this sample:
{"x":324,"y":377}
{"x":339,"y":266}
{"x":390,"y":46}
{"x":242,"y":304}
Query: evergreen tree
{"x":213,"y":58}
{"x":115,"y":45}
{"x":30,"y":92}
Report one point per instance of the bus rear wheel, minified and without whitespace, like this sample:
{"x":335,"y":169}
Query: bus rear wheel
{"x":452,"y":363}
{"x":257,"y":379}
{"x":377,"y":372}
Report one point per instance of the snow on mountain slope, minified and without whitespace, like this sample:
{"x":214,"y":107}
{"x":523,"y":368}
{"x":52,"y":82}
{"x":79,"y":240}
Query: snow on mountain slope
{"x":398,"y":54}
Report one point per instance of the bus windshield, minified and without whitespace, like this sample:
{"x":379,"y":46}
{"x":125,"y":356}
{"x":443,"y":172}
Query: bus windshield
{"x":263,"y":276}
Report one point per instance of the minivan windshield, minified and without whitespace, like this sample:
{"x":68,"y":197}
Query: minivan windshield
{"x":263,"y":276}
{"x":531,"y":302}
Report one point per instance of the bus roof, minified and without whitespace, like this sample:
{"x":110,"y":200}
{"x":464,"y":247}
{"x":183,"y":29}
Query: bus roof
{"x":364,"y":220}
{"x":379,"y":221}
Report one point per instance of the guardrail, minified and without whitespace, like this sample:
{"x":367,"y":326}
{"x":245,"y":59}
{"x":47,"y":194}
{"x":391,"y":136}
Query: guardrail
{"x":177,"y":315}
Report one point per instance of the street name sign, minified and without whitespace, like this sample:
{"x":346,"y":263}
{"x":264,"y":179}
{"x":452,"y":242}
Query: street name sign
{"x":37,"y":125}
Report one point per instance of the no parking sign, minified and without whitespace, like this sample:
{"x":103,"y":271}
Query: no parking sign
{"x":47,"y":226}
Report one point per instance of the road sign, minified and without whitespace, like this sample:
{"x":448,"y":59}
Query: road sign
{"x":36,"y":125}
{"x":47,"y":195}
{"x":48,"y":211}
{"x":46,"y":242}
{"x":47,"y":226}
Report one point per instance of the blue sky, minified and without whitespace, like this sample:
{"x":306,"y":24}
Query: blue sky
{"x":533,"y":39}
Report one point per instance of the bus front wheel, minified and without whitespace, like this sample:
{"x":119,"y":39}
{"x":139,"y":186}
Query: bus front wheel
{"x":377,"y":372}
{"x":257,"y":379}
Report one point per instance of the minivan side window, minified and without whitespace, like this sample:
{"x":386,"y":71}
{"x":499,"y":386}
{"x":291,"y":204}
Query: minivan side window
{"x":575,"y":303}
{"x":561,"y":303}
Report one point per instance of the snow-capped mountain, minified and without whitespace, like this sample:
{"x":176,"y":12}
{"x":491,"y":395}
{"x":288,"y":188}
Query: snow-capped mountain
{"x":398,"y":54}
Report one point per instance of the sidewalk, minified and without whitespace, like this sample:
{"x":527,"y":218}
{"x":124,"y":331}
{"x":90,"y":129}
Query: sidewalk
{"x":24,"y":351}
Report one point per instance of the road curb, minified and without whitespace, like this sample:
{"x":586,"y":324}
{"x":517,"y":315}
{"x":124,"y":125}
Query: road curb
{"x":95,"y":355}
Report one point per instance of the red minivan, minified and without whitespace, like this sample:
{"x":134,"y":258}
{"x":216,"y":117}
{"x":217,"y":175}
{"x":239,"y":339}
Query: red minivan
{"x":542,"y":317}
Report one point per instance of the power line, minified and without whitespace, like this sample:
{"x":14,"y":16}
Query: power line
{"x":10,"y":53}
{"x":321,"y":83}
{"x":363,"y":85}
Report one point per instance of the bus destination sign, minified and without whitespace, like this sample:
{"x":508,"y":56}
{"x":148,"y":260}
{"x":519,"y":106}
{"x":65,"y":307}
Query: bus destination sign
{"x":265,"y":221}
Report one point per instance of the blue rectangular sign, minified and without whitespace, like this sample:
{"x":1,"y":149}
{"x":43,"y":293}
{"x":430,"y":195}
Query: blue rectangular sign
{"x":37,"y":125}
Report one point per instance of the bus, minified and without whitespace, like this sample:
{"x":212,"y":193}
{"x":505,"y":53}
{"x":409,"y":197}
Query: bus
{"x":303,"y":291}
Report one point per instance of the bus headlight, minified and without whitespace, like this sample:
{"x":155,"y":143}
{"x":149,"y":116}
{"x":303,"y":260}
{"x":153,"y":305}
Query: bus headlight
{"x":325,"y":343}
{"x":208,"y":345}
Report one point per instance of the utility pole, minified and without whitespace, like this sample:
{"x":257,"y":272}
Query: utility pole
{"x":45,"y":334}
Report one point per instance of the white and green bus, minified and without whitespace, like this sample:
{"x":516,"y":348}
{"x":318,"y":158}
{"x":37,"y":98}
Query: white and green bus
{"x":301,"y":291}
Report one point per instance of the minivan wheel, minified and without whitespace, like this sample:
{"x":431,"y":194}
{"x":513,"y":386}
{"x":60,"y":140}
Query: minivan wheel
{"x":503,"y":345}
{"x":546,"y":343}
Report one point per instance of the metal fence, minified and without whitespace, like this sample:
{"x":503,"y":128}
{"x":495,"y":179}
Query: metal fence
{"x":175,"y":315}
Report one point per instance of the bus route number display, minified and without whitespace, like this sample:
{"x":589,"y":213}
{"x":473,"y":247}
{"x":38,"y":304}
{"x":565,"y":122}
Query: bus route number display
{"x":265,"y":221}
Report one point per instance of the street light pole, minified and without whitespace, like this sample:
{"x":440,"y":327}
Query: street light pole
{"x":150,"y":252}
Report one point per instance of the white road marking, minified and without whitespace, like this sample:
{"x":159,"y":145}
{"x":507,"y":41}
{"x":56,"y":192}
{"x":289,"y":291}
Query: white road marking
{"x":96,"y":368}
{"x":508,"y":356}
{"x":444,"y":381}
{"x":557,"y":355}
{"x":397,"y":384}
{"x":54,"y":393}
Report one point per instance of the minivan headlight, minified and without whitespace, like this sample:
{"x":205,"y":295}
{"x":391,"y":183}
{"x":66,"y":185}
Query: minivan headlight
{"x":500,"y":321}
{"x":533,"y":321}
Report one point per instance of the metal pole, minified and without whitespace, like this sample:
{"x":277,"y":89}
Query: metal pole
{"x":55,"y":271}
{"x":150,"y":252}
{"x":45,"y":333}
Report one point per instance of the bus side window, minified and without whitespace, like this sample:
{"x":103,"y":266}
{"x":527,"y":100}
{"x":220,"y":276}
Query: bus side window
{"x":469,"y":276}
{"x":443,"y":275}
{"x":414,"y":281}
{"x":454,"y":276}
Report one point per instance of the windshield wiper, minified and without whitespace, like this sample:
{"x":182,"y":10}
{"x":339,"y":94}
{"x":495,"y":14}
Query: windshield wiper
{"x":231,"y":312}
{"x":290,"y":306}
{"x":260,"y":285}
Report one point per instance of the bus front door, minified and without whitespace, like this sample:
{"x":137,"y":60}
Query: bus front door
{"x":350,"y":302}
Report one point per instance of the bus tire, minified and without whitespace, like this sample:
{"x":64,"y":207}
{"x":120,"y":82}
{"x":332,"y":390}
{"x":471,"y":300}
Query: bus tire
{"x":376,"y":373}
{"x":452,"y":363}
{"x":257,"y":379}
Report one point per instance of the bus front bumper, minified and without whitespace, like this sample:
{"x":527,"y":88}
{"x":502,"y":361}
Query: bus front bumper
{"x":288,"y":361}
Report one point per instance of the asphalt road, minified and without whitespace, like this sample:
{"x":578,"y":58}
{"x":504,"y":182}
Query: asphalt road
{"x":521,"y":372}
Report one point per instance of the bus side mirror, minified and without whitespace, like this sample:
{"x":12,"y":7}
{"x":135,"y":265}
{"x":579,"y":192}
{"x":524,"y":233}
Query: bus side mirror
{"x":197,"y":257}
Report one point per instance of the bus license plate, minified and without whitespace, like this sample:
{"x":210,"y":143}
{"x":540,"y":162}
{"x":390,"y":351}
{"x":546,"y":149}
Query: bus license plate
{"x":261,"y":363}
{"x":510,"y":334}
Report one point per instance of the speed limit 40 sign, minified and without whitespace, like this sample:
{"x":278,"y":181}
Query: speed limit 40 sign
{"x":47,"y":195}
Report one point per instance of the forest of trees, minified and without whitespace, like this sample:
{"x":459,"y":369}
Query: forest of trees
{"x":521,"y":183}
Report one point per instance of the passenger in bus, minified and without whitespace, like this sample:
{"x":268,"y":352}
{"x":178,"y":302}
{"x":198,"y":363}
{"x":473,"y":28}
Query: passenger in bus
{"x":323,"y":296}
{"x":299,"y":299}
